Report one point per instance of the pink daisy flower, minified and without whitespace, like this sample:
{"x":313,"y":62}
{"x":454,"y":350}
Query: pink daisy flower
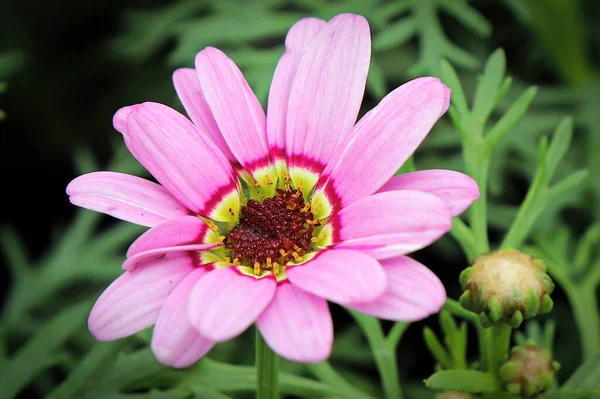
{"x":264,"y":218}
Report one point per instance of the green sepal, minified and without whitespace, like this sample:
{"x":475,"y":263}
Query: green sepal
{"x":494,"y":309}
{"x":516,"y":319}
{"x":556,"y":365}
{"x":532,"y":304}
{"x":465,"y":275}
{"x":548,"y":283}
{"x":465,"y":300}
{"x":546,"y":305}
{"x":530,"y":388}
{"x":514,"y":388}
{"x":509,"y":370}
{"x":485,"y":320}
{"x":547,"y":379}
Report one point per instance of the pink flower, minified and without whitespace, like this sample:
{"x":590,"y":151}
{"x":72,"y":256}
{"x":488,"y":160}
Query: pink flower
{"x":264,"y":218}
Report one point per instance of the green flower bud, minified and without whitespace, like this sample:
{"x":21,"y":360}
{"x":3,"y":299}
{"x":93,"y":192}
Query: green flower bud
{"x":506,"y":286}
{"x":453,"y":395}
{"x":529,"y":371}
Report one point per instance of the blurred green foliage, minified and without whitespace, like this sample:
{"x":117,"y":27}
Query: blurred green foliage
{"x":551,"y":90}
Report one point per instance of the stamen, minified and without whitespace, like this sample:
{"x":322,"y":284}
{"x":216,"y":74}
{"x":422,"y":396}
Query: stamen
{"x":236,"y":261}
{"x":316,"y":209}
{"x":269,"y":181}
{"x":318,"y":238}
{"x":211,"y":225}
{"x":276,"y":268}
{"x":296,"y":256}
{"x":257,"y":268}
{"x":221,"y":239}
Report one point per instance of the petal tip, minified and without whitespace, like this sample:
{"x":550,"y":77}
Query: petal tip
{"x":182,"y":75}
{"x":120,"y":119}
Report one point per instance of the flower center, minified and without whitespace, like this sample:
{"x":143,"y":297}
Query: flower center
{"x":273,"y":232}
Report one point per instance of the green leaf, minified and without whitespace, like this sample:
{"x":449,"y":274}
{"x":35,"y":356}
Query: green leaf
{"x":436,"y":348}
{"x":462,"y":381}
{"x":14,"y":251}
{"x":447,"y":323}
{"x":585,"y":377}
{"x":560,"y":144}
{"x":130,"y":369}
{"x":376,"y":80}
{"x":395,"y":35}
{"x":489,"y":86}
{"x":460,"y":56}
{"x":396,"y":333}
{"x":230,"y":378}
{"x":468,"y":16}
{"x":407,"y":167}
{"x":568,"y":184}
{"x":589,"y":242}
{"x":97,"y":361}
{"x":516,"y":111}
{"x":85,"y":161}
{"x":450,"y":78}
{"x":32,"y":358}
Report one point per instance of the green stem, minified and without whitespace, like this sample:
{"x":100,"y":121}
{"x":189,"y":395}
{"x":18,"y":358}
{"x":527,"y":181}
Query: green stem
{"x":500,"y":343}
{"x":383,"y":352}
{"x":483,"y":334}
{"x":477,"y":165}
{"x":267,"y":370}
{"x":587,"y":317}
{"x":463,"y":234}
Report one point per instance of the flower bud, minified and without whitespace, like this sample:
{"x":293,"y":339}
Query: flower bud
{"x":453,"y":395}
{"x":529,"y":371}
{"x":506,"y":286}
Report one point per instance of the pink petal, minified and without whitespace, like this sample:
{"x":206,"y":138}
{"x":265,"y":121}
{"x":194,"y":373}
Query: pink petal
{"x":327,"y":90}
{"x":341,"y":276}
{"x":133,"y":301}
{"x":186,"y":162}
{"x":456,"y":189}
{"x":140,"y":258}
{"x":174,"y":341}
{"x":297,"y":325}
{"x":384,"y":138}
{"x":413,"y":292}
{"x":188,"y":89}
{"x":225,"y":302}
{"x":125,"y":197}
{"x":392,"y":223}
{"x":296,"y":42}
{"x":236,"y":109}
{"x":177,"y":231}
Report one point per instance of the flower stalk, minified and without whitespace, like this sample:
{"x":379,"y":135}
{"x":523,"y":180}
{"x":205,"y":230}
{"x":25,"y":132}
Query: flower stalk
{"x":267,"y":370}
{"x":500,"y":343}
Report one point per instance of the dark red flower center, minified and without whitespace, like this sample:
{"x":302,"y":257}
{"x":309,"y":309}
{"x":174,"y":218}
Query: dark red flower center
{"x":272,"y":232}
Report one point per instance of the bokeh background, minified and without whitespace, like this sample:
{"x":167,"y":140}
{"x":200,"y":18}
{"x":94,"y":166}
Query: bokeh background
{"x":67,"y":66}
